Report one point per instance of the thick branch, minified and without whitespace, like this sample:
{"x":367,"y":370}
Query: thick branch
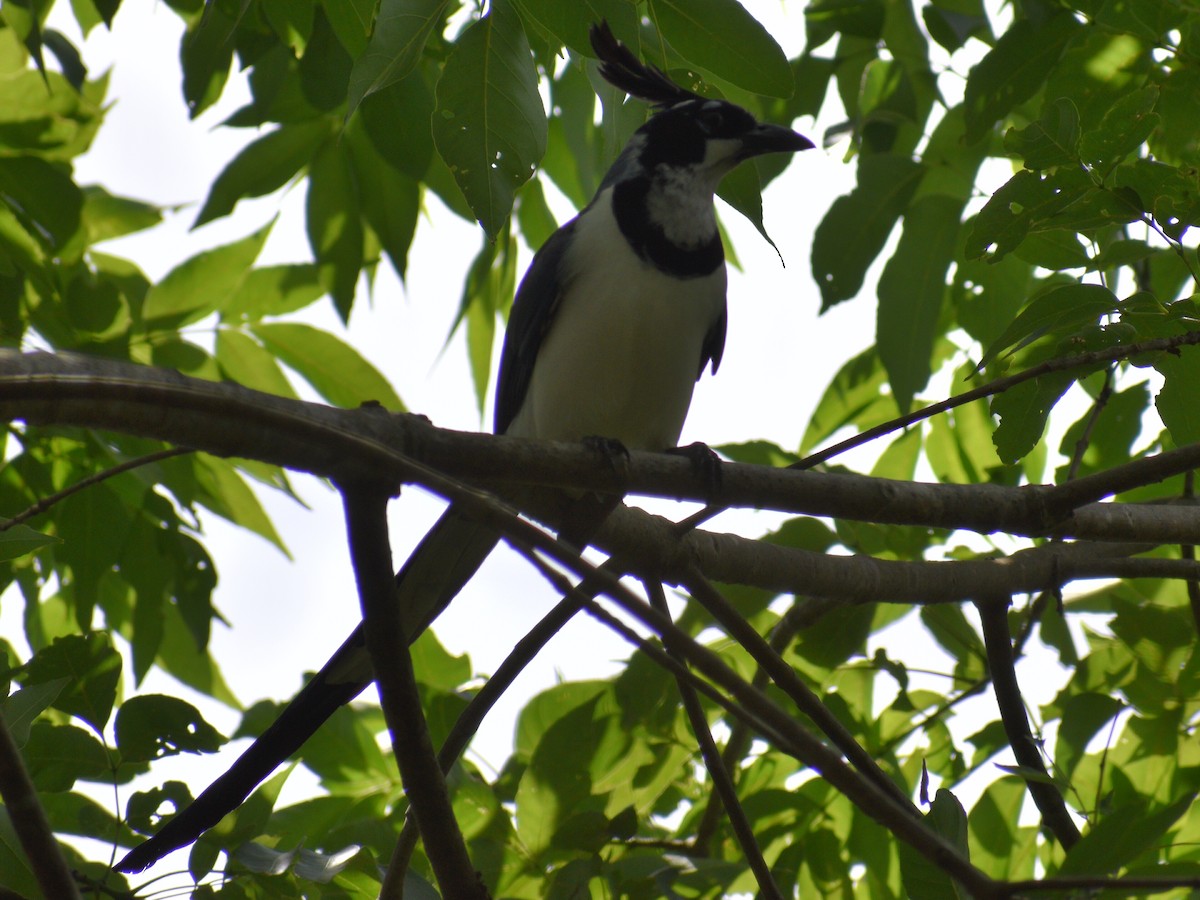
{"x":228,"y":420}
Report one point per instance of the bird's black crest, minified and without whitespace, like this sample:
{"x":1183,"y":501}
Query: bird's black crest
{"x":620,"y":68}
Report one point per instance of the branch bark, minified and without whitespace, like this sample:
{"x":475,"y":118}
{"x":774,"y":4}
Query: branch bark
{"x":387,"y":641}
{"x":343,"y":445}
{"x":28,"y":819}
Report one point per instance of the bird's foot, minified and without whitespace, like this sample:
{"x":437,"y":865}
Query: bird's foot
{"x":706,"y":465}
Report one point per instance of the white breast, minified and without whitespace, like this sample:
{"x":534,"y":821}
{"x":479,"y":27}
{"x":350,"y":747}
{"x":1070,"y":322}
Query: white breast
{"x":623,"y":352}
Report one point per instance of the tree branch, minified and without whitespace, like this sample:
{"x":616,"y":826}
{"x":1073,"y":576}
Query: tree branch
{"x":789,"y":682}
{"x":344,"y":445}
{"x":722,"y":779}
{"x":46,"y":503}
{"x":993,"y":612}
{"x":29,"y":821}
{"x":387,"y":641}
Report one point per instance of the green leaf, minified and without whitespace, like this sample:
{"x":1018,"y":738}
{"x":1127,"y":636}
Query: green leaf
{"x":742,"y":189}
{"x":489,"y":125}
{"x":57,"y":755}
{"x":333,"y":368}
{"x":334,"y":224}
{"x":1176,"y":402}
{"x":201,"y":285}
{"x":21,"y":708}
{"x":1053,"y":250}
{"x":16,"y":874}
{"x":227,"y":494}
{"x":1122,"y":836}
{"x":1058,"y":312}
{"x":1125,"y":127}
{"x":242,"y":359}
{"x":1006,"y":218}
{"x":722,"y":37}
{"x":390,"y":200}
{"x":488,"y":289}
{"x":1172,"y":196}
{"x":569,"y":22}
{"x":951,"y":24}
{"x":205,"y":54}
{"x":351,"y":21}
{"x":93,"y":668}
{"x":1023,"y":411}
{"x":885,"y":185}
{"x":911,"y":291}
{"x":292,"y":21}
{"x":179,"y":655}
{"x":924,"y":878}
{"x":106,"y":216}
{"x":950,"y":628}
{"x":273,"y":291}
{"x":1083,"y":715}
{"x":1014,"y":69}
{"x":853,"y":398}
{"x":402,"y":27}
{"x":72,"y":813}
{"x":153,"y":726}
{"x":45,"y":197}
{"x":1178,"y":110}
{"x":1051,"y":141}
{"x":992,"y":826}
{"x":142,"y":808}
{"x":21,"y":539}
{"x":548,"y":707}
{"x":263,"y":166}
{"x":407,"y":150}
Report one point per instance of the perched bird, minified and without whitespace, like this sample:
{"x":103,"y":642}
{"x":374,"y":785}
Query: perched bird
{"x":621,"y":311}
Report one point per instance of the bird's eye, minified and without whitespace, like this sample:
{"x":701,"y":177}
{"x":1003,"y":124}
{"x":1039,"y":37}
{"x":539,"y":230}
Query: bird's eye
{"x":711,"y":121}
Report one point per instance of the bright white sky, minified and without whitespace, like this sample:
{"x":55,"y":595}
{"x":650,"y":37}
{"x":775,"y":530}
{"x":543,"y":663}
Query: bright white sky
{"x":286,"y":616}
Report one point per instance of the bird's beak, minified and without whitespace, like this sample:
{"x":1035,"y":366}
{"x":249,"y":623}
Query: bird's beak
{"x":767,"y":138}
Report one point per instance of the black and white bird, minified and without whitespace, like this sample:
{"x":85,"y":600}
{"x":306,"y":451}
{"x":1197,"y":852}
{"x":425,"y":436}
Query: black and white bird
{"x":620,"y":313}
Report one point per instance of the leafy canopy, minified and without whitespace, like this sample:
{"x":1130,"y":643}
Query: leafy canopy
{"x":1075,"y":265}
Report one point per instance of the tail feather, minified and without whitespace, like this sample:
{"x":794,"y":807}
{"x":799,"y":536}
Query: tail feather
{"x":445,"y":560}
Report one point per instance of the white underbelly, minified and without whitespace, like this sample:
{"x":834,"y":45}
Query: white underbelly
{"x":623,"y":352}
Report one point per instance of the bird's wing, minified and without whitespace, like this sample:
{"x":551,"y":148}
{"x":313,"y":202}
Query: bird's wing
{"x":444,"y":561}
{"x":714,"y":344}
{"x":532,"y":314}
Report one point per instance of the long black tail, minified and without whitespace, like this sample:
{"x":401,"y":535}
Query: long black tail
{"x":445,"y":560}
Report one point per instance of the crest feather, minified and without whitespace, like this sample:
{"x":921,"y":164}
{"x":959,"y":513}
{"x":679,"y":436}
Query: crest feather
{"x":620,"y":68}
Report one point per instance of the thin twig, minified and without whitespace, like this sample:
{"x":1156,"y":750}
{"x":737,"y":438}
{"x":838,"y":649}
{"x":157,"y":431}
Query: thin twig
{"x":789,"y":682}
{"x":740,"y":737}
{"x":790,"y":737}
{"x":58,"y":496}
{"x":997,"y":386}
{"x":1085,"y":438}
{"x":721,"y":775}
{"x":993,"y":612}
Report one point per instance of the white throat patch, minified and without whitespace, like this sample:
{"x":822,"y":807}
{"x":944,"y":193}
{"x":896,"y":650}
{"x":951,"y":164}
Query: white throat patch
{"x":680,"y":202}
